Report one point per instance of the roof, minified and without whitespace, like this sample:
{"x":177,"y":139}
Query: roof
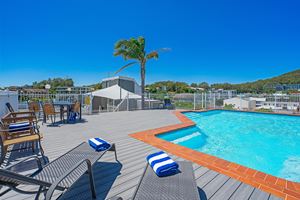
{"x":118,"y":77}
{"x":114,"y":92}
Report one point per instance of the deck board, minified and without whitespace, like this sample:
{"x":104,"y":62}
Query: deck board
{"x":122,"y":179}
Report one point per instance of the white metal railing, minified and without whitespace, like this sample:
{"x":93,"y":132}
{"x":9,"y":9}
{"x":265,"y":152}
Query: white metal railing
{"x":191,"y":101}
{"x":125,"y":100}
{"x":23,"y":99}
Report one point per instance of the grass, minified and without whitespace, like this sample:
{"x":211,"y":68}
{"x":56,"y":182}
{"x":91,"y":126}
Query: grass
{"x":187,"y":105}
{"x":264,"y":110}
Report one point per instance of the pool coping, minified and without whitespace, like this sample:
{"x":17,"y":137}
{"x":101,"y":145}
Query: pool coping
{"x":280,"y":187}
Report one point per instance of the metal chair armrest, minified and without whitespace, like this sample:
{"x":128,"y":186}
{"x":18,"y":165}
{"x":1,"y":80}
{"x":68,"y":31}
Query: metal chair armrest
{"x":115,"y":198}
{"x":62,"y":177}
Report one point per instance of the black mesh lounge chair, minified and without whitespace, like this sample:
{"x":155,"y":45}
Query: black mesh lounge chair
{"x":179,"y":186}
{"x":59,"y":174}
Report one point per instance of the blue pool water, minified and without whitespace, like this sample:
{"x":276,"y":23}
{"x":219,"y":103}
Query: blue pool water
{"x":266,"y":142}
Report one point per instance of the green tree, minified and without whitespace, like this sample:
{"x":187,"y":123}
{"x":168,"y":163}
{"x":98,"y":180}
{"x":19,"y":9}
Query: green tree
{"x":194,"y":85}
{"x":134,"y":49}
{"x":203,"y":85}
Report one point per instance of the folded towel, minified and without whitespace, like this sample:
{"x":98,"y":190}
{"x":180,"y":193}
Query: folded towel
{"x":22,"y":126}
{"x":162,"y":164}
{"x":98,"y":144}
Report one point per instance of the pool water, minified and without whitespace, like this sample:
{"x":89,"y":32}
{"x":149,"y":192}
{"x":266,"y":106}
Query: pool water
{"x":266,"y":142}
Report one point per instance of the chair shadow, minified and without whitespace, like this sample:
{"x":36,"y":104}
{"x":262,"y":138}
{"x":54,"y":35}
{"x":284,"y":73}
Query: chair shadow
{"x":105,"y":174}
{"x":78,"y":121}
{"x":202,"y":194}
{"x":65,"y":122}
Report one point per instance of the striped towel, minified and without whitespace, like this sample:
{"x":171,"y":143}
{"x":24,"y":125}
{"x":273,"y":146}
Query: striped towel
{"x":98,"y":144}
{"x":21,"y":126}
{"x":162,"y":164}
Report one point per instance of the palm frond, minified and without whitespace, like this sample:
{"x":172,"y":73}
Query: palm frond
{"x":153,"y":54}
{"x":125,"y":66}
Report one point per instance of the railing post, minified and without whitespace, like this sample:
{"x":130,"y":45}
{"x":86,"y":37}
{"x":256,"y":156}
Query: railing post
{"x":149,"y":101}
{"x":205,"y":100}
{"x":194,"y":101}
{"x":214,"y":99}
{"x":128,"y":102}
{"x":202,"y":101}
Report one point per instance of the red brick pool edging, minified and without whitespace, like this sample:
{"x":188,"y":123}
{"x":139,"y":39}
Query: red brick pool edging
{"x":277,"y":186}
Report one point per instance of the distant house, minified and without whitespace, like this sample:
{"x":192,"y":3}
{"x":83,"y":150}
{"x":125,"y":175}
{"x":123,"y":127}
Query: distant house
{"x":73,"y":90}
{"x":126,"y":83}
{"x":259,"y":101}
{"x":114,"y":90}
{"x":221,"y":93}
{"x":280,"y":105}
{"x":240,"y":104}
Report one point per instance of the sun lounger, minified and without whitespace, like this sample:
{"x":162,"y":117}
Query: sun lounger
{"x":179,"y":186}
{"x":59,"y":174}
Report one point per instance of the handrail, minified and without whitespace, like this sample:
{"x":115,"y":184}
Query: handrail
{"x":118,"y":106}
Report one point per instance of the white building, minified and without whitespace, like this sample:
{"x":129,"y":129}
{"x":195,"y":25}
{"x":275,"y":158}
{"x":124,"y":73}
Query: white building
{"x":240,"y":104}
{"x":259,"y":101}
{"x":252,"y":103}
{"x":280,"y":105}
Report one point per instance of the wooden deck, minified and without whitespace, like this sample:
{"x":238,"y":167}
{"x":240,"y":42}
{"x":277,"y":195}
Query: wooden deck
{"x":121,"y":178}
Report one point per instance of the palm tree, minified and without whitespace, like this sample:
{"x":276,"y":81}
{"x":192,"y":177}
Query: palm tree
{"x":134,"y":49}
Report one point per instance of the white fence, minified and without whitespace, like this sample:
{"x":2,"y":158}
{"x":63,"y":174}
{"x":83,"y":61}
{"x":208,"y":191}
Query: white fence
{"x":190,"y":101}
{"x":24,"y":98}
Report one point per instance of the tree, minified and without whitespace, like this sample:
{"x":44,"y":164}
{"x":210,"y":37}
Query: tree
{"x":194,"y":85}
{"x":204,"y":85}
{"x":134,"y":49}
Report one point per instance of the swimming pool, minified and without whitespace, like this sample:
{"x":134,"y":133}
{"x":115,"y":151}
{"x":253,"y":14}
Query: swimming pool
{"x":266,"y":142}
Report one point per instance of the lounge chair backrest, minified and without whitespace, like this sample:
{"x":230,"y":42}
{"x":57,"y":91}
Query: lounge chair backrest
{"x":11,"y":178}
{"x":49,"y":109}
{"x":9,"y":107}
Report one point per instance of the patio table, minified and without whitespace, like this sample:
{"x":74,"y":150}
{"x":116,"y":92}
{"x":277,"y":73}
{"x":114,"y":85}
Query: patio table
{"x":63,"y":104}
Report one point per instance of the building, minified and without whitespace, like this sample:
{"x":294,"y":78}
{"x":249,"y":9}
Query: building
{"x":240,"y":104}
{"x":252,"y":103}
{"x":284,"y":87}
{"x":280,"y":105}
{"x":224,"y":94}
{"x":126,"y":83}
{"x":259,"y":101}
{"x":73,"y":90}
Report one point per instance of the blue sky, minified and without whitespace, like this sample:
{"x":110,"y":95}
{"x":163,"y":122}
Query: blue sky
{"x":213,"y":41}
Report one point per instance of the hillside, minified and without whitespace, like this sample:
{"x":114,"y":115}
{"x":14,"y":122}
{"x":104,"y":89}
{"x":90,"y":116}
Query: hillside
{"x":259,"y":86}
{"x":268,"y":85}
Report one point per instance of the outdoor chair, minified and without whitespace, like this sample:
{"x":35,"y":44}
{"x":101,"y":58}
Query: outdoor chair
{"x":168,"y":104}
{"x":17,"y":128}
{"x":49,"y":110}
{"x":34,"y":107}
{"x":179,"y":186}
{"x":59,"y":174}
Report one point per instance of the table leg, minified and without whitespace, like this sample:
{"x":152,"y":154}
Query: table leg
{"x":61,"y":113}
{"x":80,"y":112}
{"x":68,"y":113}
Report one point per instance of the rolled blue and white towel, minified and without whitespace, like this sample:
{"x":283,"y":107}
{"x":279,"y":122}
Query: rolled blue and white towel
{"x":20,"y":126}
{"x":162,"y":164}
{"x":99,"y":144}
